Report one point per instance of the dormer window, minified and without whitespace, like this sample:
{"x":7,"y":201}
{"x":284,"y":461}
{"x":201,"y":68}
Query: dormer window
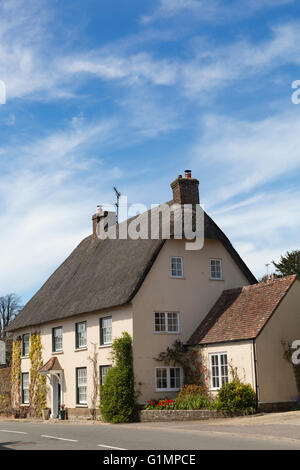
{"x":216,"y":269}
{"x":176,"y":267}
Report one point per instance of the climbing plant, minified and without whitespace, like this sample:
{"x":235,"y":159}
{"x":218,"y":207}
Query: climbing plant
{"x":37,"y":384}
{"x":95,"y":392}
{"x":16,"y":372}
{"x":191,"y":361}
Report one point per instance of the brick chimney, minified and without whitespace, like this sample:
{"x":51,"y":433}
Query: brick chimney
{"x":186,"y":190}
{"x":100,"y":214}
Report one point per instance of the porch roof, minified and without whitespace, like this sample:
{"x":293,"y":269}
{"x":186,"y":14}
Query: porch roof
{"x":53,"y":365}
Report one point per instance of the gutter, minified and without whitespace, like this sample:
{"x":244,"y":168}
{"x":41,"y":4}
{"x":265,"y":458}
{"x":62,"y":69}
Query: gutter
{"x":255,"y":372}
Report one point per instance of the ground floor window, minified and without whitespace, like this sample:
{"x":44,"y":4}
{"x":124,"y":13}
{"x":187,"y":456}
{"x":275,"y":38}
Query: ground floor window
{"x":25,"y":388}
{"x":103,"y":373}
{"x":81,"y":386}
{"x":218,"y":370}
{"x":168,"y":378}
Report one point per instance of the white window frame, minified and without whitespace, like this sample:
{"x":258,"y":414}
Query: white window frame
{"x":79,"y":346}
{"x":25,"y":354}
{"x":103,"y":367}
{"x":54,"y":348}
{"x":169,"y":388}
{"x":166,"y":331}
{"x":23,"y":388}
{"x":220,"y":376}
{"x":221,"y":269}
{"x":80,"y":385}
{"x":171,"y":272}
{"x":103,"y":331}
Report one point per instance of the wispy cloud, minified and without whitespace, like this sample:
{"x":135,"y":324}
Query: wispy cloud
{"x":210,"y":10}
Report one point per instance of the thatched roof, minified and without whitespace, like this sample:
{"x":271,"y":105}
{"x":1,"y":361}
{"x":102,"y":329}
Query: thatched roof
{"x":101,"y":274}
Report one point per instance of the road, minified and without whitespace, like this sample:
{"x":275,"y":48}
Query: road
{"x":270,"y":432}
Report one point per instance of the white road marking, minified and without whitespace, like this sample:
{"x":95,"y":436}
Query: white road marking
{"x":15,"y":432}
{"x":110,"y":447}
{"x":58,"y":438}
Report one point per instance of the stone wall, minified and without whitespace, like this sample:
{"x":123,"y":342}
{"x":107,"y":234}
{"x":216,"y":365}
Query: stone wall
{"x":178,"y":415}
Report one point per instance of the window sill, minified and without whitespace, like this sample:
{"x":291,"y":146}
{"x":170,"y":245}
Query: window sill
{"x":81,"y":406}
{"x":179,"y":277}
{"x":212,"y":279}
{"x":54,"y":353}
{"x":80,"y":349}
{"x":103,"y":346}
{"x":25,"y":357}
{"x":167,"y":390}
{"x":167,"y":332}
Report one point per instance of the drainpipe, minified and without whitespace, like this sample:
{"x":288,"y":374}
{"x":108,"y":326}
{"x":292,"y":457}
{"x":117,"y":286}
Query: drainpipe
{"x":255,"y":372}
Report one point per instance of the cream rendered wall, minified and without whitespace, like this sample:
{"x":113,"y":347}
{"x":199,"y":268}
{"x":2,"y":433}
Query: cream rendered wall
{"x":70,"y":358}
{"x":239,"y":355}
{"x":276,"y":379}
{"x":192,"y":296}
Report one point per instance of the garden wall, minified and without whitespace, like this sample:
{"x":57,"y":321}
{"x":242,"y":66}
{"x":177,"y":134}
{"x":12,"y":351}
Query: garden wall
{"x":178,"y":415}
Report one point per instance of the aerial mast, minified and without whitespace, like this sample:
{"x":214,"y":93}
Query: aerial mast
{"x":117,"y":204}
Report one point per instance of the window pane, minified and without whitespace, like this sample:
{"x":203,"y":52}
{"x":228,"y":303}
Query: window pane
{"x":81,"y":335}
{"x":173,"y":322}
{"x":215,"y":371}
{"x":26,"y":341}
{"x":176,"y":267}
{"x":57,"y":339}
{"x":216,"y":269}
{"x":82,"y":386}
{"x":25,"y":388}
{"x":161,"y":378}
{"x":103,"y":373}
{"x":224,"y":369}
{"x":106,"y":330}
{"x":175,"y":381}
{"x":160,"y":323}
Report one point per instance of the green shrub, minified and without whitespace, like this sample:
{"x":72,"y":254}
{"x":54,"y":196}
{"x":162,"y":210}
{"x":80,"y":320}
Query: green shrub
{"x":194,"y":402}
{"x":117,"y":395}
{"x":236,"y":396}
{"x":193,"y":389}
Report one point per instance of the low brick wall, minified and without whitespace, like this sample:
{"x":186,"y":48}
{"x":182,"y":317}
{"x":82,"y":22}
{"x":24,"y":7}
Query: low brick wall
{"x":277,"y":407}
{"x":178,"y":415}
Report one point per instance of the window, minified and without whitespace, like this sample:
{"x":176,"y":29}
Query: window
{"x":105,"y":330}
{"x":103,"y":373}
{"x":81,"y":386}
{"x":25,"y":344}
{"x":57,"y":339}
{"x":176,"y":267}
{"x":168,"y":378}
{"x":81,"y":335}
{"x":218,"y":370}
{"x":166,"y":322}
{"x":25,"y":388}
{"x":216,"y":269}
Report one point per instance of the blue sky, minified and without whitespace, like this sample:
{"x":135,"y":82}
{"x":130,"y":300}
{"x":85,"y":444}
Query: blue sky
{"x":131,"y":94}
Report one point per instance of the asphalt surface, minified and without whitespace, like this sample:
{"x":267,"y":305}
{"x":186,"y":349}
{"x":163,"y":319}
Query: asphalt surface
{"x":270,"y":432}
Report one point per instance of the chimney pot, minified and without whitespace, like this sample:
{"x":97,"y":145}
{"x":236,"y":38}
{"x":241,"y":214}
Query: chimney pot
{"x":188,"y":174}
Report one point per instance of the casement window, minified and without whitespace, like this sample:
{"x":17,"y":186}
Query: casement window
{"x":166,"y":322}
{"x":57,"y":339}
{"x":25,"y":344}
{"x":176,"y":266}
{"x":168,"y":378}
{"x":105,"y":330}
{"x":218,"y":370}
{"x":81,"y":386}
{"x":80,"y":329}
{"x":216,"y":269}
{"x":25,"y":388}
{"x":103,"y":373}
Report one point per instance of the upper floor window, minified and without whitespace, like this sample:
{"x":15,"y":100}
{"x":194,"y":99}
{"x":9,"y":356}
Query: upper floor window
{"x":216,"y":269}
{"x":25,"y":344}
{"x":105,"y":330}
{"x":166,"y":322}
{"x":168,"y":378}
{"x":176,"y":266}
{"x":25,"y":388}
{"x":57,"y":339}
{"x":218,"y":370}
{"x":81,"y":335}
{"x":103,"y":373}
{"x":81,"y":386}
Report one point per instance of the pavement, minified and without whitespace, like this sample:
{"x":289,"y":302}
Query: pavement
{"x":276,"y":431}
